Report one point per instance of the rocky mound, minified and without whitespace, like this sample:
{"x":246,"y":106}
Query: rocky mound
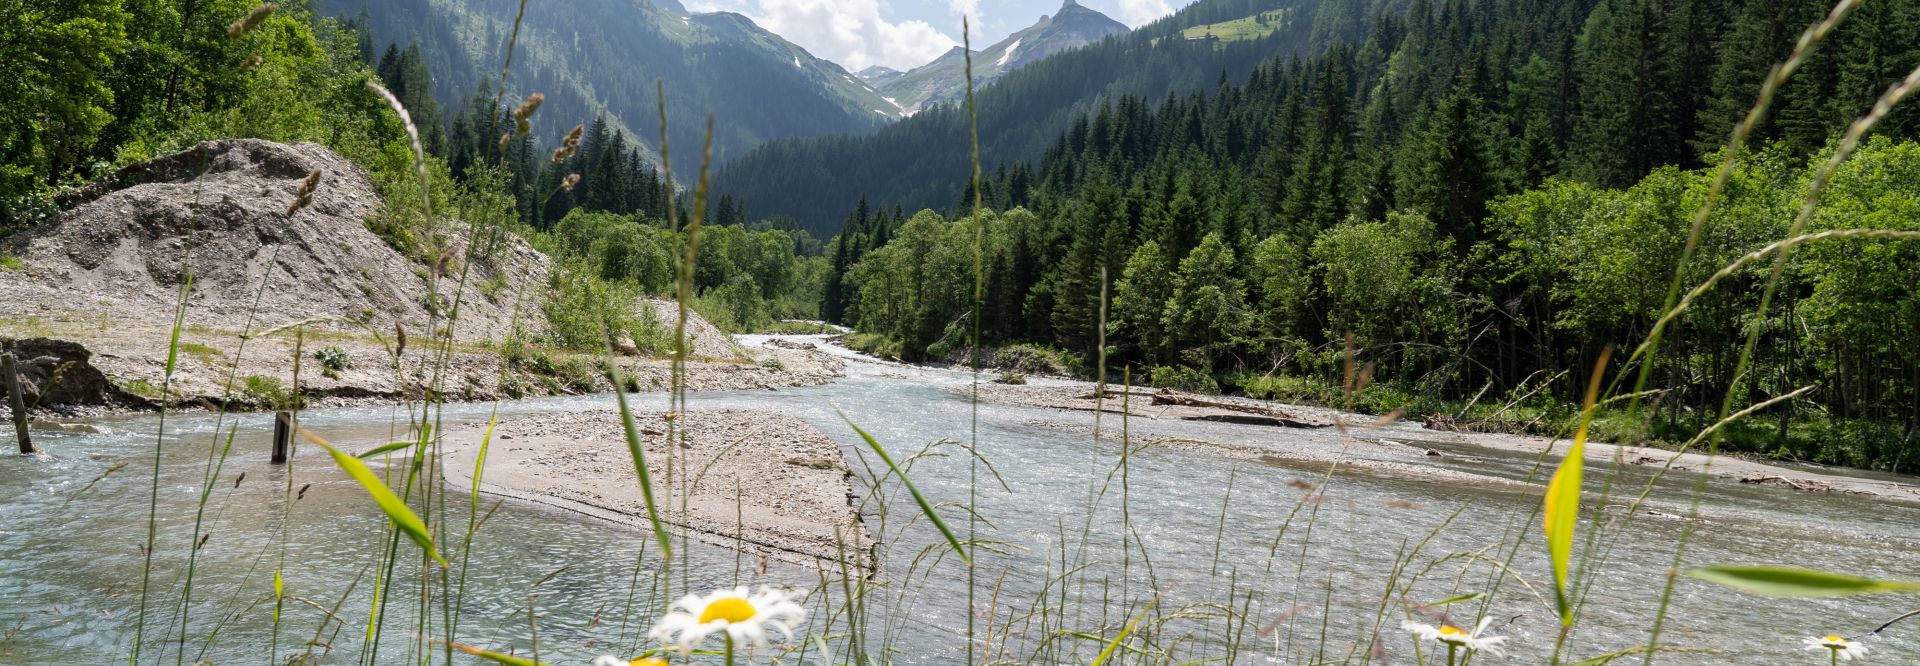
{"x":220,"y":210}
{"x":103,"y":279}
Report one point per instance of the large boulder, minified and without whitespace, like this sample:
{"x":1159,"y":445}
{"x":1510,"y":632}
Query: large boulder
{"x":58,"y":373}
{"x":220,"y":210}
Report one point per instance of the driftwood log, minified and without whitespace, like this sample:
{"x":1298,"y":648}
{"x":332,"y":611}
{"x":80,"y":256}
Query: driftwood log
{"x":1247,"y":414}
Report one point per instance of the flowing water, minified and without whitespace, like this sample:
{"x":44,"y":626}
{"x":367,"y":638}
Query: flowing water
{"x":1165,"y":528}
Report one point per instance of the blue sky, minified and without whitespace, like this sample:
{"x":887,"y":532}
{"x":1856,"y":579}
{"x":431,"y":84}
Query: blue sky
{"x":903,"y":34}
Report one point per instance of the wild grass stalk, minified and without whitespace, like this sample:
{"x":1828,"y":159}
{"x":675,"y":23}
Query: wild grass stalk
{"x":979,"y":299}
{"x":1769,"y":87}
{"x":211,"y":471}
{"x":1841,"y":151}
{"x":166,"y":393}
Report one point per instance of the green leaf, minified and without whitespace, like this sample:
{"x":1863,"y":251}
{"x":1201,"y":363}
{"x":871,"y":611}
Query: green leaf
{"x":925,"y":506}
{"x":1122,"y":636}
{"x":639,"y":453}
{"x":390,"y":504}
{"x":1792,"y":582}
{"x":1562,"y":510}
{"x":1562,"y":513}
{"x":1458,"y":599}
{"x":383,"y":448}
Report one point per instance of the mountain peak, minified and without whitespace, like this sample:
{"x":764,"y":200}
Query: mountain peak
{"x":944,"y":79}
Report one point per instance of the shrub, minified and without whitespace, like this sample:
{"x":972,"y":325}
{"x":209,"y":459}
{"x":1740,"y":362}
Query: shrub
{"x":333,"y":360}
{"x":267,"y":393}
{"x":772,"y":364}
{"x":1183,"y":378}
{"x":584,"y":308}
{"x":1034,"y":360}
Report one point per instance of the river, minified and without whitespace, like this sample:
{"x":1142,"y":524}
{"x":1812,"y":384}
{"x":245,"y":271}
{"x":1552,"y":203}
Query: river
{"x":72,"y":560}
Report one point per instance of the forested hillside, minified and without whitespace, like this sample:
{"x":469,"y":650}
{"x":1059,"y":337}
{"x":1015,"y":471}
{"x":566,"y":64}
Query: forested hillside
{"x":1482,"y":194}
{"x":913,"y":162}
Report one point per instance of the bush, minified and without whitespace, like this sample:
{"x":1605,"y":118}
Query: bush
{"x":1370,"y":399}
{"x":1034,"y":360}
{"x":773,"y":364}
{"x":1011,"y":378}
{"x":584,"y":308}
{"x":333,"y":360}
{"x":1183,"y":378}
{"x":267,"y":393}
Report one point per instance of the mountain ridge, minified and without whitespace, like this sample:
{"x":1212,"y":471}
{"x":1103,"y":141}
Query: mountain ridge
{"x":921,"y":161}
{"x":944,"y":78}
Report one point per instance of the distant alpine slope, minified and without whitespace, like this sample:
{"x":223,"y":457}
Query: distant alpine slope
{"x":944,"y":79}
{"x":594,"y":57}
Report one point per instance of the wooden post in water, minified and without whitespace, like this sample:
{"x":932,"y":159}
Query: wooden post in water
{"x":11,"y":375}
{"x":282,"y":437}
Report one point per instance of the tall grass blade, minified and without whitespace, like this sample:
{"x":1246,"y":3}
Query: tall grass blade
{"x":639,"y":453}
{"x":383,"y":448}
{"x":496,"y":657}
{"x":1562,"y":509}
{"x":925,"y":506}
{"x":390,"y":504}
{"x":1794,"y":582}
{"x":1114,"y":645}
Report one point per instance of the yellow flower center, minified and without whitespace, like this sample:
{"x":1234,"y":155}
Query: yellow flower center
{"x":1452,"y":634}
{"x":732,"y":609}
{"x":646,"y":661}
{"x":1835,"y":640}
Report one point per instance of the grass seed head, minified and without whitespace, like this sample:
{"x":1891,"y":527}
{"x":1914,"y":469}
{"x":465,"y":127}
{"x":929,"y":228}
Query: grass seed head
{"x":304,"y":197}
{"x":526,"y":110}
{"x":505,"y":138}
{"x":252,"y":20}
{"x":572,"y":180}
{"x":252,"y":61}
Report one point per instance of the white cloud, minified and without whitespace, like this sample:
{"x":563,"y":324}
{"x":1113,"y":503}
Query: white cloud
{"x":849,"y":32}
{"x":1141,"y":12}
{"x":967,"y":8}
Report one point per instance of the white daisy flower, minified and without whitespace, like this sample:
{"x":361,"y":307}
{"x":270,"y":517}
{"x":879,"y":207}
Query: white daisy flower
{"x":1455,"y":637}
{"x":1840,"y":648}
{"x":745,"y":618}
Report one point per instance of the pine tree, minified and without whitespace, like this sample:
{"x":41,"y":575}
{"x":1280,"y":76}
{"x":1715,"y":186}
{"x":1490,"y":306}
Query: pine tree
{"x":1446,"y":167}
{"x":1628,"y":126}
{"x":1316,"y":193}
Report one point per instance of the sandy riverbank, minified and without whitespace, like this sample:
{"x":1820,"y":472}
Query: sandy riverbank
{"x":767,"y":482}
{"x":1363,"y":442}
